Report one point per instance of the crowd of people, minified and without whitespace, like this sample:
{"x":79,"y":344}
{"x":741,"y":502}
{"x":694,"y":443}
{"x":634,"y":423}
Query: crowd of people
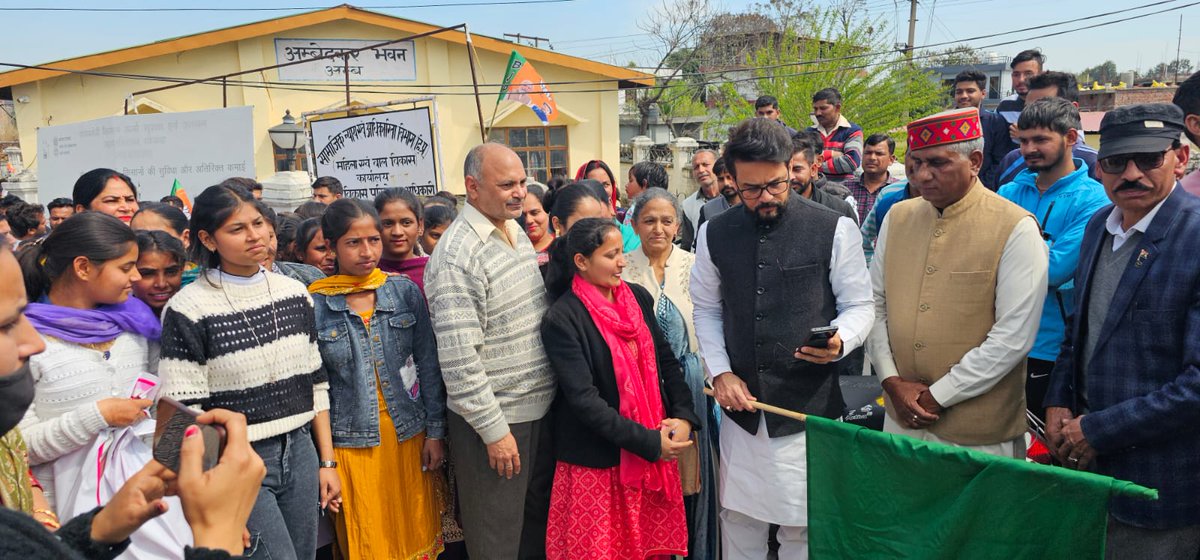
{"x":528,"y":375}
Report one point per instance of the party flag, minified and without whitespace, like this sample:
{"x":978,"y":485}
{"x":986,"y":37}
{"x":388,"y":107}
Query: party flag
{"x":177,"y":190}
{"x":524,"y":85}
{"x":878,"y":495}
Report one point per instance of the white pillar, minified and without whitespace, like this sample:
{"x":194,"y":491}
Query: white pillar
{"x":682,"y":149}
{"x":286,"y":190}
{"x":641,"y":148}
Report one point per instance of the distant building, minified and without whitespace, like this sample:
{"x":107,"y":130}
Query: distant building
{"x":999,"y":80}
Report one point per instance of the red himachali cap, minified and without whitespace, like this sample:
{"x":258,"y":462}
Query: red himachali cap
{"x":947,"y":127}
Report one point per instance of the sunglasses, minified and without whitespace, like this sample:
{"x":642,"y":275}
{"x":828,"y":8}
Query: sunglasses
{"x":1144,"y":161}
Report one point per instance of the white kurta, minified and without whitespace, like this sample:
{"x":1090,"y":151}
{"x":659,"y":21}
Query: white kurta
{"x":762,"y":477}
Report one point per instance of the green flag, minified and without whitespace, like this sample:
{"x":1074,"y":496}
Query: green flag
{"x":877,"y":495}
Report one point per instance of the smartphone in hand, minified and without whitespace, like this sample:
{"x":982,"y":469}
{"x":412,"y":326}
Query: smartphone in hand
{"x":169,"y":436}
{"x":819,"y":337}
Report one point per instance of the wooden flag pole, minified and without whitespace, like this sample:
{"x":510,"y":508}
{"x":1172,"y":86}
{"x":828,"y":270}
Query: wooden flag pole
{"x":769,"y":408}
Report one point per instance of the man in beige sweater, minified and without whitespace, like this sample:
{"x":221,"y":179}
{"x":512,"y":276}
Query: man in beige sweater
{"x":959,"y":277}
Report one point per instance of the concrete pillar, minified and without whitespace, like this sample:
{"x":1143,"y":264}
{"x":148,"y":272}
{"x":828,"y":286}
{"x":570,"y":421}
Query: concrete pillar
{"x":14,"y":157}
{"x":641,"y":148}
{"x":681,"y":182}
{"x":286,"y":190}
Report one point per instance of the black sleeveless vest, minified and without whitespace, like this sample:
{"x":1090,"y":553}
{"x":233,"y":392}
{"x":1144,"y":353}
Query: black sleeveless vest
{"x":775,"y":288}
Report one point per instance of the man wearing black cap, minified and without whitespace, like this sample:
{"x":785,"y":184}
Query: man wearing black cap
{"x":1124,"y":396}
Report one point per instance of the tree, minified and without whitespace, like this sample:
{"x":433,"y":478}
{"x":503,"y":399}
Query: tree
{"x":1104,"y":73}
{"x":882,"y":92}
{"x":1166,"y":71}
{"x":952,"y":56}
{"x":675,"y":25}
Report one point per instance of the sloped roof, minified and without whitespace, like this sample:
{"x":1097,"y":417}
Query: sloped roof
{"x":625,"y":77}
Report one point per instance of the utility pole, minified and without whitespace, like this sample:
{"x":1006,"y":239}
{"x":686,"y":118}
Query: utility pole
{"x":912,"y":30}
{"x":537,"y":41}
{"x":1178,"y":45}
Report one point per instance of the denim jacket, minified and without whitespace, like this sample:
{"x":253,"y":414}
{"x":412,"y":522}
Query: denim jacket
{"x":401,"y":335}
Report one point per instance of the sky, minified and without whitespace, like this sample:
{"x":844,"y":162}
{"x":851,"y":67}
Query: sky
{"x":607,"y":30}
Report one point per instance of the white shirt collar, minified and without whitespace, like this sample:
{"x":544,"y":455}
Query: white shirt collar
{"x":1116,"y":217}
{"x":484,"y":227}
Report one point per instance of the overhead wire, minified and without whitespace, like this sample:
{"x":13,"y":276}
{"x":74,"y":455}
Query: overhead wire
{"x":274,"y":9}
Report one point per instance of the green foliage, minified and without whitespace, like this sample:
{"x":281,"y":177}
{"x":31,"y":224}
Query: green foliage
{"x":882,"y":92}
{"x":1104,"y":73}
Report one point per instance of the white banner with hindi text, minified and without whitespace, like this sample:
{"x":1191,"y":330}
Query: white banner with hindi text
{"x":370,"y":153}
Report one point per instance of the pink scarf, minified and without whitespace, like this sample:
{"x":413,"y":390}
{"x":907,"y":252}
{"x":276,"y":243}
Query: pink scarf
{"x":624,"y":330}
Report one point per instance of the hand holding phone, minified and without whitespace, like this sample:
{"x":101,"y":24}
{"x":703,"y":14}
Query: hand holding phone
{"x":823,"y":346}
{"x":174,"y":419}
{"x":819,"y":337}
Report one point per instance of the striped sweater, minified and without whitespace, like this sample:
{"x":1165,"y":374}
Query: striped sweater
{"x":215,"y":356}
{"x":846,"y":138}
{"x":487,"y":299}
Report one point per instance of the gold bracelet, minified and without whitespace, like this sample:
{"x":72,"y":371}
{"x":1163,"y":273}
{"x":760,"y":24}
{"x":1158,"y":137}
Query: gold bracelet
{"x":47,"y":513}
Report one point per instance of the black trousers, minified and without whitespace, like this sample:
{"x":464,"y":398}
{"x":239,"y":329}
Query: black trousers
{"x":1037,"y":382}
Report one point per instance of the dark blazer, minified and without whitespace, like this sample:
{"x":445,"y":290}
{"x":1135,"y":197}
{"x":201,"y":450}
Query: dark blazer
{"x":589,"y":429}
{"x":996,"y":144}
{"x":1143,"y":382}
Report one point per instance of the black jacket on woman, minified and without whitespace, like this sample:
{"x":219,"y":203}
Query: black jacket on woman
{"x":24,"y":538}
{"x":589,"y":429}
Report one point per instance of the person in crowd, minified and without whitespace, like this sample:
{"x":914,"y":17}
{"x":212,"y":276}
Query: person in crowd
{"x":879,"y":151}
{"x":326,"y":190}
{"x":275,"y":261}
{"x":841,"y":152}
{"x":767,"y":107}
{"x":256,"y":190}
{"x":165,"y":218}
{"x":311,"y":247}
{"x":535,"y":218}
{"x":215,"y":503}
{"x":6,"y":237}
{"x":627,"y":233}
{"x":286,"y":224}
{"x":1187,"y":97}
{"x":437,"y":200}
{"x":487,"y":300}
{"x":1058,"y":191}
{"x":959,"y":279}
{"x":970,"y":89}
{"x":1025,"y":66}
{"x":60,"y":209}
{"x":437,"y":219}
{"x":448,"y":197}
{"x":402,"y":219}
{"x":78,"y":281}
{"x":599,"y":171}
{"x":707,"y":189}
{"x":106,"y":191}
{"x":387,"y":399}
{"x":1122,"y":400}
{"x":804,"y":169}
{"x":765,"y":276}
{"x":1049,"y":84}
{"x":311,"y":209}
{"x":27,"y":222}
{"x":8,"y":201}
{"x":642,"y":175}
{"x":728,"y":198}
{"x":664,"y":270}
{"x":243,"y":339}
{"x":624,"y":410}
{"x":572,"y":203}
{"x":160,"y":262}
{"x":888,"y":197}
{"x":172,"y":201}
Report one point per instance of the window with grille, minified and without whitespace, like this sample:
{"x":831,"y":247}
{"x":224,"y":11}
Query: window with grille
{"x":543,"y":149}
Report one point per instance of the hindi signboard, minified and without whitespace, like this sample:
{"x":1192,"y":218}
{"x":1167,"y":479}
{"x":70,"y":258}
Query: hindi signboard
{"x":370,"y":153}
{"x":198,"y":148}
{"x":394,"y":62}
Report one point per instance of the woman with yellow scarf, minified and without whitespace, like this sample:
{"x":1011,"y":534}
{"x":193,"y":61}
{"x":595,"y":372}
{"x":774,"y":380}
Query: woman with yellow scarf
{"x":388,"y":403}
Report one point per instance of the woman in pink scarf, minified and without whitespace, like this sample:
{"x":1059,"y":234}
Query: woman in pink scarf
{"x":623,"y":412}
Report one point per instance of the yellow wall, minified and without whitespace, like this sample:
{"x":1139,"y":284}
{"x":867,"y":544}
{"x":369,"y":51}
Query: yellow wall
{"x":72,"y":98}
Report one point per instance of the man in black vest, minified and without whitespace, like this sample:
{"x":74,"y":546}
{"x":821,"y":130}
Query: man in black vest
{"x":766,"y":273}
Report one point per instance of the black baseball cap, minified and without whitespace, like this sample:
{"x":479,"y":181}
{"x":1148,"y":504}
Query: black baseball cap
{"x":1145,"y":128}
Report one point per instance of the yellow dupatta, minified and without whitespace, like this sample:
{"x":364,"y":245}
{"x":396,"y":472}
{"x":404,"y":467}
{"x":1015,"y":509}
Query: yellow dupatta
{"x":343,"y":284}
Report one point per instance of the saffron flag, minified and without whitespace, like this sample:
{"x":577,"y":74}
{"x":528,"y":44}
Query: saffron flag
{"x":524,"y":85}
{"x":878,"y":495}
{"x":177,"y":190}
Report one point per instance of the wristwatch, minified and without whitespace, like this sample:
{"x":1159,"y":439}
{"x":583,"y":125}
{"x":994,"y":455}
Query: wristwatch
{"x":328,"y":464}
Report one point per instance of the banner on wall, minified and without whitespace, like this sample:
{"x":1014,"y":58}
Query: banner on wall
{"x":193,"y":149}
{"x":394,"y":62}
{"x":370,"y":153}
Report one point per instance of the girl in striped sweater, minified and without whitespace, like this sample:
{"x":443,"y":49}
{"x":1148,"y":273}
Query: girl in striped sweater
{"x":242,"y":338}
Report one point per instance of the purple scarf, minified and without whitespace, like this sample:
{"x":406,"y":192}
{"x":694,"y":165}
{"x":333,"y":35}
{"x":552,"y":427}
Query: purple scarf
{"x":92,"y":326}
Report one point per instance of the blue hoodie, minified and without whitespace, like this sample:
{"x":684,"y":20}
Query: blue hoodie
{"x":1063,"y":213}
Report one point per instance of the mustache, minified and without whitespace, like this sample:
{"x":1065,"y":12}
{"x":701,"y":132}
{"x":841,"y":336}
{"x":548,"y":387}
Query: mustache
{"x":1132,"y":185}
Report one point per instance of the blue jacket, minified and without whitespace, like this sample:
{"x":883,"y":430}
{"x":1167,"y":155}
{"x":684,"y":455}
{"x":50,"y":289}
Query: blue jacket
{"x":401,"y":336}
{"x":1143,"y":382}
{"x":1062,"y":212}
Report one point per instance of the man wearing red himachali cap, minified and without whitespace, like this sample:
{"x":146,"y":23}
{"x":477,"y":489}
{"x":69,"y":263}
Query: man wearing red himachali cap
{"x":959,"y":277}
